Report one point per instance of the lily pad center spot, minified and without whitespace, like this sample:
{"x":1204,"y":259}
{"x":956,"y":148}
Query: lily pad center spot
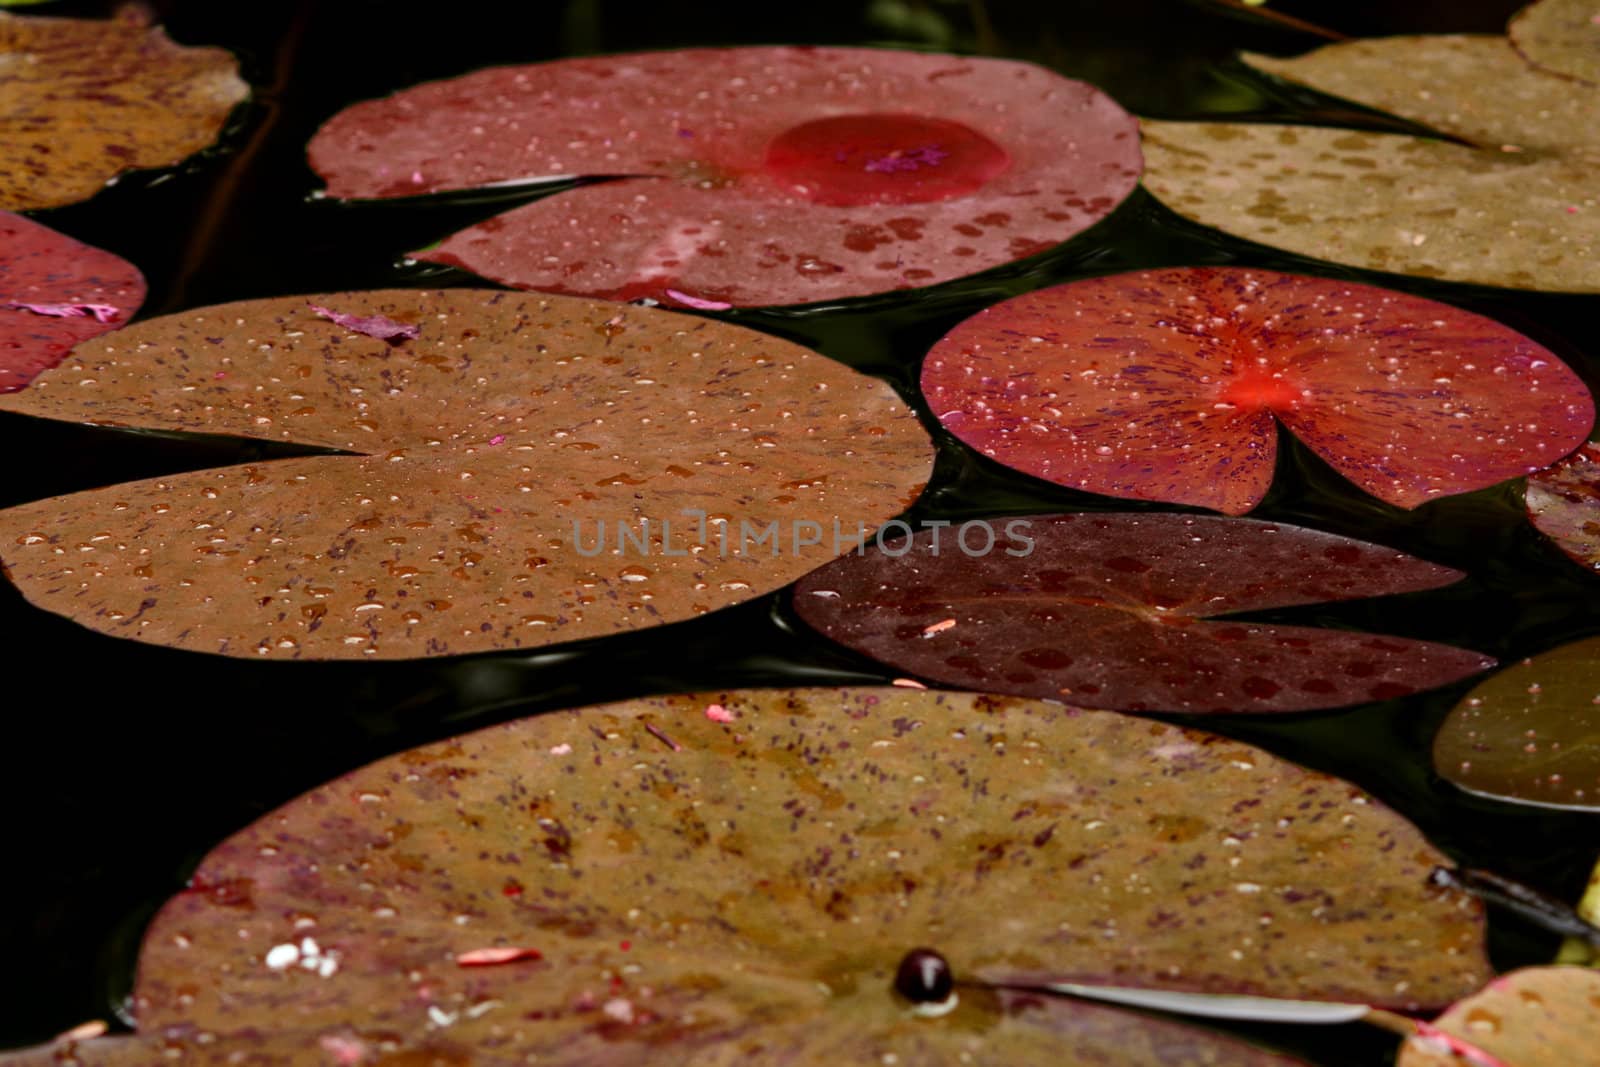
{"x":877,"y":158}
{"x":924,"y":979}
{"x":1254,"y":387}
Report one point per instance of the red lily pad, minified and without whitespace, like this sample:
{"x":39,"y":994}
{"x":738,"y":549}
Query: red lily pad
{"x":1528,"y":1018}
{"x":1563,"y":502}
{"x":55,"y":292}
{"x":1527,"y":735}
{"x":1168,"y":385}
{"x":754,"y":175}
{"x":749,"y":894}
{"x":1117,"y":611}
{"x":115,"y":94}
{"x":519,"y":475}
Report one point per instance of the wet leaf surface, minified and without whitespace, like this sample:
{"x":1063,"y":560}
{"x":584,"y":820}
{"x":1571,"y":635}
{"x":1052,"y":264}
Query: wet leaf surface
{"x":752,"y":894}
{"x":1110,"y":610}
{"x":1169,"y":384}
{"x":493,"y":453}
{"x":1531,"y":733}
{"x":45,"y":277}
{"x":113,"y":94}
{"x":1563,"y":502}
{"x":1515,"y":206}
{"x":1528,"y":1018}
{"x":1561,"y":36}
{"x":755,"y":175}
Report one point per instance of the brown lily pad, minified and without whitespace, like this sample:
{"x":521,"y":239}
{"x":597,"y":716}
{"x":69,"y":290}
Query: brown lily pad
{"x":1531,"y":733}
{"x":1535,"y":1017}
{"x":750,"y":175}
{"x":1563,"y":502}
{"x":55,"y":292}
{"x":1562,"y":36}
{"x":1515,"y":205}
{"x":507,"y":460}
{"x":1118,"y":610}
{"x":748,"y":891}
{"x":169,"y":101}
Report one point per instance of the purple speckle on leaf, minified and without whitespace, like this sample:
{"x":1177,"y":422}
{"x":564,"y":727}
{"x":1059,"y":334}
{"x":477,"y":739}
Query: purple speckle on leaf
{"x":100,"y":312}
{"x":380,"y":326}
{"x":911,"y":159}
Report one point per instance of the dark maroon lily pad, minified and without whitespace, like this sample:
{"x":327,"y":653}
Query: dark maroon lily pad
{"x":1527,"y":735}
{"x":55,"y":292}
{"x":524,"y":471}
{"x":1563,"y":502}
{"x":113,"y":94}
{"x":748,"y":893}
{"x":1117,"y":610}
{"x":1168,"y":385}
{"x":755,"y":175}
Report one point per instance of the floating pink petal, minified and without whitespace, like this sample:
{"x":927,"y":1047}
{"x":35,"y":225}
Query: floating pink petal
{"x":695,"y":302}
{"x":751,"y":175}
{"x":718,"y":713}
{"x":1169,"y":384}
{"x":380,"y":326}
{"x":54,"y":293}
{"x":491,"y":957}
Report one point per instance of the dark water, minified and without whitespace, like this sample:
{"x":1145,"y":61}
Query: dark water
{"x":137,"y":759}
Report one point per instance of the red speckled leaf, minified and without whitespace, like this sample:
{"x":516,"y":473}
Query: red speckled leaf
{"x":1535,"y":1017}
{"x":1168,"y":384}
{"x":1564,"y":503}
{"x":1110,"y":610}
{"x":44,"y":277}
{"x":1527,"y":735}
{"x":114,"y":95}
{"x":759,"y":175}
{"x":748,"y":895}
{"x":494,"y":453}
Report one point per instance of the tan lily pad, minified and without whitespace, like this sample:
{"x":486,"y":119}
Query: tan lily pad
{"x":1531,"y":733}
{"x":490,"y":449}
{"x":83,"y":100}
{"x":1515,"y":206}
{"x":1535,"y":1017}
{"x":1563,"y":502}
{"x":736,"y":877}
{"x":1561,"y":36}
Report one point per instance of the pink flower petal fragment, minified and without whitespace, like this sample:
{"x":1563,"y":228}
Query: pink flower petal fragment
{"x":1166,"y":385}
{"x":55,"y":292}
{"x":380,"y":326}
{"x":490,"y":957}
{"x":758,"y":175}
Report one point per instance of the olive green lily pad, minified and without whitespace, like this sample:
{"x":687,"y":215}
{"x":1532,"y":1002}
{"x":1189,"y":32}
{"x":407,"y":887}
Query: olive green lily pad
{"x":1561,"y":36}
{"x":1535,"y":1017}
{"x":1514,"y":204}
{"x":82,"y":100}
{"x":735,"y":877}
{"x":524,"y":470}
{"x":1531,"y":733}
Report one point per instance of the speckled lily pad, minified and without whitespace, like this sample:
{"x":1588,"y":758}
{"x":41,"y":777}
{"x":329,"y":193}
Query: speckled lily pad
{"x":1562,"y":36}
{"x":524,"y":471}
{"x":1531,"y":733}
{"x":741,"y":887}
{"x":1117,"y":610}
{"x":753,"y":175}
{"x":112,"y":95}
{"x":1563,"y":502}
{"x":1534,"y":1017}
{"x":1516,"y":205}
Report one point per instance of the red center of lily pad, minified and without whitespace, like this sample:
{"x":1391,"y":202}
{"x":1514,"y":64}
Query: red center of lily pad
{"x":848,"y":160}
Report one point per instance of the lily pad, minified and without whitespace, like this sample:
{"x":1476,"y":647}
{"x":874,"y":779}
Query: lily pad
{"x":754,"y":175}
{"x":1528,"y":1018}
{"x":1116,"y":610}
{"x":506,"y":462}
{"x":113,"y":95}
{"x":1168,"y":385}
{"x":55,"y":292}
{"x":1563,"y":502}
{"x":1513,"y":204}
{"x":1562,"y":36}
{"x":749,"y":893}
{"x":1529,"y":734}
